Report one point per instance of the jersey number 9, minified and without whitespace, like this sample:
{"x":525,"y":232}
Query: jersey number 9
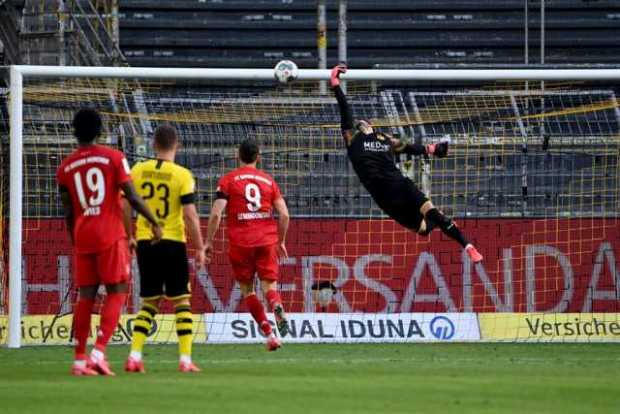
{"x":252,"y":195}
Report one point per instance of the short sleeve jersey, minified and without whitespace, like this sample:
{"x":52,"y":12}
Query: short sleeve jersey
{"x":93,"y":175}
{"x":250,"y":193}
{"x":166,"y":187}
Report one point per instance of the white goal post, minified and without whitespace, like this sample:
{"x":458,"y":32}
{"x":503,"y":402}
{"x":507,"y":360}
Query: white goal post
{"x":20,"y":73}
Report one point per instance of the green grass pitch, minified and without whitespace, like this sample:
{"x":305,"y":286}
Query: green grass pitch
{"x":326,"y":379}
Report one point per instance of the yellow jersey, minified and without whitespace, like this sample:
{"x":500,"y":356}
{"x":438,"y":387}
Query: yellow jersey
{"x":166,"y":187}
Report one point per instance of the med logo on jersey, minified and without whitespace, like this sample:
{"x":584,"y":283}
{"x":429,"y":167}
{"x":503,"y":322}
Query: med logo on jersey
{"x":376,"y":146}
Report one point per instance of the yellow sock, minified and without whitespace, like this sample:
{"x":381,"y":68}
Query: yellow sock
{"x":141,"y":327}
{"x":184,"y":324}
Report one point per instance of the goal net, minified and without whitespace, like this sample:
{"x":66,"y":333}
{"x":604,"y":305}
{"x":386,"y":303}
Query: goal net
{"x":532,"y":179}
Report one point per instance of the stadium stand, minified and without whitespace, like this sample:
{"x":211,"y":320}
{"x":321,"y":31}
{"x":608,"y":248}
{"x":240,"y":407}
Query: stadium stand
{"x":50,"y":32}
{"x":258,"y":33}
{"x":198,"y":33}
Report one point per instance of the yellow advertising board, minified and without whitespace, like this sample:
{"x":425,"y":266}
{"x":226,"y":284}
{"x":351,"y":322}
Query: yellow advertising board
{"x":43,"y":329}
{"x":550,"y":327}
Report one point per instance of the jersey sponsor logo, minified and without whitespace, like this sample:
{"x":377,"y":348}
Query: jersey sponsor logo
{"x":156,"y":175}
{"x":88,"y":160}
{"x":376,"y":146}
{"x":252,"y":177}
{"x":253,"y":216}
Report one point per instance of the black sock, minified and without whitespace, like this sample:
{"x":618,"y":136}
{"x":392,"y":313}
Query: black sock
{"x":446,"y":225}
{"x":455,"y":233}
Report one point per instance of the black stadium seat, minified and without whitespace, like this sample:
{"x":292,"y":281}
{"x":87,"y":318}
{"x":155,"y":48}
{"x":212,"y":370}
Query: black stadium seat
{"x":258,"y":33}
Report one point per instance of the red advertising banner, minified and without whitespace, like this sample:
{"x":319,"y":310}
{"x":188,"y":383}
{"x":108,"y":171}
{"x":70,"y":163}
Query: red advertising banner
{"x":562,"y":265}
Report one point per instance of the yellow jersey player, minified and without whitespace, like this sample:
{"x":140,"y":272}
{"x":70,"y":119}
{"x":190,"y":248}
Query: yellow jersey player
{"x":170,"y":192}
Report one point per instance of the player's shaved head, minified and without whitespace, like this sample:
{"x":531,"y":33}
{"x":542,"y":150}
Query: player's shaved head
{"x":248,"y":151}
{"x":166,"y":137}
{"x":364,"y":127}
{"x":87,"y":125}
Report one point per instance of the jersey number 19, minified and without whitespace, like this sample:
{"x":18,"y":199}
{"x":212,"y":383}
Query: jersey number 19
{"x":95,"y":183}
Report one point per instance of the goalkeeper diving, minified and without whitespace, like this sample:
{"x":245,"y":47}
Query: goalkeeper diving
{"x":372,"y":157}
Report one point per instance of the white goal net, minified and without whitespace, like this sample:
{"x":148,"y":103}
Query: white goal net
{"x":532,"y":178}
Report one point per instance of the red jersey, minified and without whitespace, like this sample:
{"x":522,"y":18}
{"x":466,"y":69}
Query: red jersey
{"x":250,"y":193}
{"x":92,"y":175}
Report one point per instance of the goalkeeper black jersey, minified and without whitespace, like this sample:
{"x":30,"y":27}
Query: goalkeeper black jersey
{"x":373,"y":160}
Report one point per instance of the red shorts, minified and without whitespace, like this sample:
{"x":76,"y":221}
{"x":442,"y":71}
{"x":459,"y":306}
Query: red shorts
{"x":108,"y":267}
{"x":246,"y":261}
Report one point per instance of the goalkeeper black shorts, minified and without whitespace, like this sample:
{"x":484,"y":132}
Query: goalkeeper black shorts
{"x":402,"y":202}
{"x":164,"y":270}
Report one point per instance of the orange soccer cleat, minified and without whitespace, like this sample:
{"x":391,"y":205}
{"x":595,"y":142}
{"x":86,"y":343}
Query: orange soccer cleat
{"x":134,"y":365}
{"x":101,"y":366}
{"x":82,"y":371}
{"x":188,"y":367}
{"x":474,"y":255}
{"x":273,"y":343}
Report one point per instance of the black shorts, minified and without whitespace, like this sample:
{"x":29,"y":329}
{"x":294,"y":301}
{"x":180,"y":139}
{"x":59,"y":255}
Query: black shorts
{"x":163,"y":269}
{"x":402,"y":202}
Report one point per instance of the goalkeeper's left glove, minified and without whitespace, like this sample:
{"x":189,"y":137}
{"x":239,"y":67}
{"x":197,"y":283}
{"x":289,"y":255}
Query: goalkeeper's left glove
{"x":439,"y":150}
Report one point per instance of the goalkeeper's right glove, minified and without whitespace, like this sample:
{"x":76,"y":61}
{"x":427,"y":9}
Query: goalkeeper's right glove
{"x":336,"y":71}
{"x":439,"y":150}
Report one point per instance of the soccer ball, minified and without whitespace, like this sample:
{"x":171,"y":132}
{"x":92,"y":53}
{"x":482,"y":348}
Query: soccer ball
{"x":285,"y":71}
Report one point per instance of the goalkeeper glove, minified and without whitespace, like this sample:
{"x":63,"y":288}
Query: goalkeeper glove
{"x":336,"y":72}
{"x":439,"y":150}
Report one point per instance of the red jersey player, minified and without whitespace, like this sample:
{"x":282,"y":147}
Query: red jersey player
{"x":90,"y":181}
{"x":249,"y":197}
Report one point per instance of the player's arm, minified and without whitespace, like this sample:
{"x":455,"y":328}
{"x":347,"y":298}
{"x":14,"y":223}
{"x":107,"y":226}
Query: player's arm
{"x":192,"y":221}
{"x":138,"y":204}
{"x":439,"y":150}
{"x":128,"y":224}
{"x":190,"y":215}
{"x":65,"y":198}
{"x":283,"y":220}
{"x":215,"y":218}
{"x":346,"y":117}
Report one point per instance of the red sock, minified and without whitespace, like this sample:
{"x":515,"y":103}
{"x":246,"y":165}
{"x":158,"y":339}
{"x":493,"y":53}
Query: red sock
{"x":110,"y":314}
{"x":258,"y":313}
{"x":81,"y":325}
{"x":273,"y":298}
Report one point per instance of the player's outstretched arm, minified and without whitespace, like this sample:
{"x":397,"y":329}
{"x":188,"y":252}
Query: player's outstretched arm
{"x":192,"y":220}
{"x":65,"y":198}
{"x":439,"y":150}
{"x":138,"y":204}
{"x":215,"y":218}
{"x":346,"y":117}
{"x":283,"y":221}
